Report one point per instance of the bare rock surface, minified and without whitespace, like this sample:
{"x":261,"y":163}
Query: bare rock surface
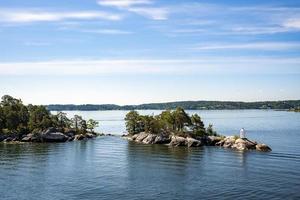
{"x":233,"y":142}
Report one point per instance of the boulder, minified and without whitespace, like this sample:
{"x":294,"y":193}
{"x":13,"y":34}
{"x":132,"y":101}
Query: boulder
{"x":248,"y":144}
{"x":212,"y":140}
{"x":178,"y":141}
{"x":149,"y":139}
{"x":51,"y":135}
{"x":229,"y":141}
{"x":239,"y":146}
{"x":79,"y":137}
{"x":89,"y":135}
{"x":220,"y":143}
{"x":263,"y":147}
{"x":141,"y":137}
{"x":70,"y":133}
{"x":191,"y":142}
{"x":162,"y":139}
{"x":27,"y":138}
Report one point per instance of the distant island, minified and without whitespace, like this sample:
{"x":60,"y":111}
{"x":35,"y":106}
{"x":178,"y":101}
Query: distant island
{"x":187,"y":105}
{"x":177,"y":128}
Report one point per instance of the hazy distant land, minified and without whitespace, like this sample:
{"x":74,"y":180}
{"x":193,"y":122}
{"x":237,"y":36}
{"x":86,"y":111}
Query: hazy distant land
{"x":188,"y":105}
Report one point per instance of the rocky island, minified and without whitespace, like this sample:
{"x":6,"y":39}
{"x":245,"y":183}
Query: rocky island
{"x":177,"y":128}
{"x":32,"y":123}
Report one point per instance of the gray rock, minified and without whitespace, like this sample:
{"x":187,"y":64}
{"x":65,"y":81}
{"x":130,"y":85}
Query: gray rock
{"x":212,"y":140}
{"x":89,"y":135}
{"x":51,"y":136}
{"x":27,"y":138}
{"x":178,"y":141}
{"x":229,"y":141}
{"x":70,"y":133}
{"x":162,"y":139}
{"x":141,"y":136}
{"x":79,"y":137}
{"x":239,"y":146}
{"x":220,"y":143}
{"x":248,"y":144}
{"x":263,"y":147}
{"x":149,"y":139}
{"x":191,"y":142}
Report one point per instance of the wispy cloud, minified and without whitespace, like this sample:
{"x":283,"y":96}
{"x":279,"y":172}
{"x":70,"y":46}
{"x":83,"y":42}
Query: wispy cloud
{"x":29,"y":16}
{"x":108,"y":31}
{"x":152,"y":13}
{"x":270,"y":46}
{"x":140,"y":7}
{"x":220,"y":19}
{"x":123,"y":3}
{"x":292,"y":23}
{"x":208,"y":65}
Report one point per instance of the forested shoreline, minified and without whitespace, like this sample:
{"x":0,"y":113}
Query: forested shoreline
{"x":187,"y":105}
{"x":35,"y":123}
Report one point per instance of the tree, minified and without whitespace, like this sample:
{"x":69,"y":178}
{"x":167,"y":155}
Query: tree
{"x":15,"y":114}
{"x":181,"y":118}
{"x":210,"y":130}
{"x":92,"y":124}
{"x":39,"y":118}
{"x":62,"y":120}
{"x":2,"y":119}
{"x":134,"y":124}
{"x":168,"y":120}
{"x":76,"y":120}
{"x":197,"y":125}
{"x":83,"y":126}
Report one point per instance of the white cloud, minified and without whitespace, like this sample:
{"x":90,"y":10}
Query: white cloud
{"x":28,"y":16}
{"x":152,"y":13}
{"x":139,"y":7}
{"x":205,"y":65}
{"x":108,"y":31}
{"x":292,"y":23}
{"x":272,"y":46}
{"x":123,"y":3}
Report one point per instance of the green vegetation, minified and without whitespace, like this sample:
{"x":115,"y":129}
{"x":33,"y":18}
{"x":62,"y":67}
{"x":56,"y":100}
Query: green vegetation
{"x":18,"y":119}
{"x":176,"y":122}
{"x":187,"y":105}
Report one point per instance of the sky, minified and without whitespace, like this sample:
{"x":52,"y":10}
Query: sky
{"x":144,"y":51}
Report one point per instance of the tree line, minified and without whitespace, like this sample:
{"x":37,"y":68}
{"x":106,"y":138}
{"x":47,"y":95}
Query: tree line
{"x":176,"y":122}
{"x":17,"y":118}
{"x":187,"y":105}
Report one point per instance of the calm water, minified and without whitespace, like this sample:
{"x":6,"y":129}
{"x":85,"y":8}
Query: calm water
{"x":112,"y":168}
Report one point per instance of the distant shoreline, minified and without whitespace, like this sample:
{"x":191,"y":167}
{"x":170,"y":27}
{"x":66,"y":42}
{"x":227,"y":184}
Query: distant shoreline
{"x":187,"y":105}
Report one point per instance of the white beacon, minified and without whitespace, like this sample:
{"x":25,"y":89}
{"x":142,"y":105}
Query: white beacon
{"x":242,"y":133}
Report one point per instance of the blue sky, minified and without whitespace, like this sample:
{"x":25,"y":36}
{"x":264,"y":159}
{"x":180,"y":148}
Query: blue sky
{"x":139,"y":51}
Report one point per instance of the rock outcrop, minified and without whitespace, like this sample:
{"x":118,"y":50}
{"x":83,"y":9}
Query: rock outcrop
{"x":148,"y":138}
{"x":177,"y":141}
{"x":263,"y":147}
{"x":51,"y":135}
{"x":232,"y":142}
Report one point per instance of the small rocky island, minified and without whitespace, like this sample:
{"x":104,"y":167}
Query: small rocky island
{"x":177,"y":128}
{"x":32,"y":123}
